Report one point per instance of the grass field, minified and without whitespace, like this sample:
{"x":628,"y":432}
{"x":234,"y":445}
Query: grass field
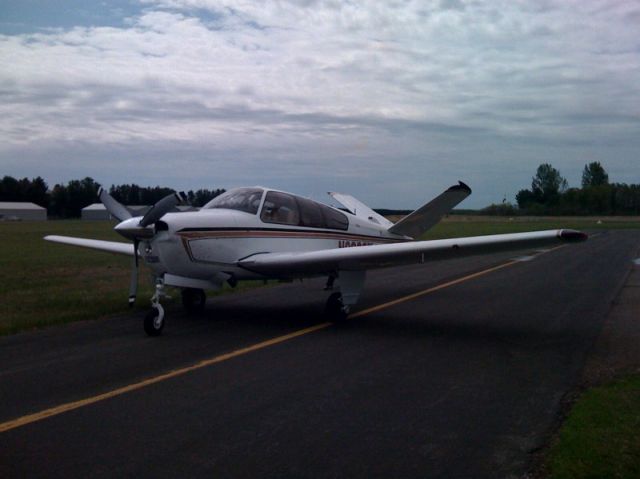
{"x":43,"y":283}
{"x":601,"y":436}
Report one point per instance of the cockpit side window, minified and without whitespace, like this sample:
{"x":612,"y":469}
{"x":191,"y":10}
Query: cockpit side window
{"x":280,"y":208}
{"x":285,"y":209}
{"x":241,"y":199}
{"x":334,"y":219}
{"x":310,"y":214}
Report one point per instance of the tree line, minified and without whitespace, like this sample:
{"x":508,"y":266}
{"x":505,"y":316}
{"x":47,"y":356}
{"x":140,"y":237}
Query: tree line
{"x":550,"y":194}
{"x":67,"y":200}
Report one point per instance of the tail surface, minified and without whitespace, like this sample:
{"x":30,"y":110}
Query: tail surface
{"x":427,"y":216}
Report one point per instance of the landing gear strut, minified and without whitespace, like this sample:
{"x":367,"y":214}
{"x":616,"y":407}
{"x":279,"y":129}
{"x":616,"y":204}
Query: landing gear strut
{"x":154,"y":320}
{"x":193,"y":300}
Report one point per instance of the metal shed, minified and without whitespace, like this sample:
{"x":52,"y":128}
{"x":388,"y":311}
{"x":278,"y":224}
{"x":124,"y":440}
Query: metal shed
{"x":21,"y":210}
{"x":95,"y":211}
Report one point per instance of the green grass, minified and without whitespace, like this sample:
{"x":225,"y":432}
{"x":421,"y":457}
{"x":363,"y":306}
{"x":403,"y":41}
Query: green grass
{"x":601,"y":436}
{"x":477,"y":226}
{"x":43,"y":283}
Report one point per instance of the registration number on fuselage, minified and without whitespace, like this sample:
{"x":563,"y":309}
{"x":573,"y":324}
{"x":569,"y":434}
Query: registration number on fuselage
{"x":351,"y":244}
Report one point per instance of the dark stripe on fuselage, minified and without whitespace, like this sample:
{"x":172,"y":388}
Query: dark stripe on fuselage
{"x":345,"y":239}
{"x":192,"y":233}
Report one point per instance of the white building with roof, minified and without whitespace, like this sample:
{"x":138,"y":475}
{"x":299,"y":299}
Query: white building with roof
{"x":21,"y":210}
{"x":95,"y":211}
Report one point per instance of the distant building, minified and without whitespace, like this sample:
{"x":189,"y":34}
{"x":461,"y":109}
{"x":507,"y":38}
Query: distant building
{"x":95,"y":211}
{"x":19,"y":211}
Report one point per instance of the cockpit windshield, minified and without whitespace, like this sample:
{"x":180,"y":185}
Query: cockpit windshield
{"x":241,"y":199}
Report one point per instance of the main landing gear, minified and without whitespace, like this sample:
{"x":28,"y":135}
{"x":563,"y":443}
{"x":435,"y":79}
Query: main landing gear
{"x":335,"y":310}
{"x":339,"y":304}
{"x":193,"y":300}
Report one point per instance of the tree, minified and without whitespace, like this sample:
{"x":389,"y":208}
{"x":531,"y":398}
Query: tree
{"x":594,"y":175}
{"x":10,"y":189}
{"x":68,"y":201}
{"x":548,"y":184}
{"x":525,"y":198}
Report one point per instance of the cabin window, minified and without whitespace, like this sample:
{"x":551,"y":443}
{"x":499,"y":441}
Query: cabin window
{"x":280,"y":208}
{"x":334,"y":219}
{"x":310,"y":214}
{"x":285,"y":209}
{"x":241,"y":199}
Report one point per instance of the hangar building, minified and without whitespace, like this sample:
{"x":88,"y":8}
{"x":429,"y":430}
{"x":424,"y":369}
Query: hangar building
{"x":22,"y":210}
{"x":95,"y":211}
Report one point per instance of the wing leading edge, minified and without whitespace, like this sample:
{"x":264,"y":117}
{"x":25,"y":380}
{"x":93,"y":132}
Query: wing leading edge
{"x":110,"y":246}
{"x":383,"y":255}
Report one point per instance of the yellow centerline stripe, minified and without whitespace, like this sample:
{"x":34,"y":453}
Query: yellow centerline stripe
{"x":70,"y":406}
{"x":54,"y":411}
{"x":430,"y":290}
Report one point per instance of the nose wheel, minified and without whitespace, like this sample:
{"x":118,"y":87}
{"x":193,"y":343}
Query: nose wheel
{"x":154,"y":320}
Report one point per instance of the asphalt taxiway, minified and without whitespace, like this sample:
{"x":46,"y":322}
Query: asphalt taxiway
{"x":448,"y":369}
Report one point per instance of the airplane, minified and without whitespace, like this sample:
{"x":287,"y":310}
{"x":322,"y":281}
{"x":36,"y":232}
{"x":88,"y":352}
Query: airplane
{"x":253,"y":233}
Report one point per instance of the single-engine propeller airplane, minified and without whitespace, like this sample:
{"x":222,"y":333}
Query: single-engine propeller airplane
{"x":261,"y":233}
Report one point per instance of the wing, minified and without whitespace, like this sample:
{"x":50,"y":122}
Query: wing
{"x":359,"y":209}
{"x":378,"y":256}
{"x":110,"y":246}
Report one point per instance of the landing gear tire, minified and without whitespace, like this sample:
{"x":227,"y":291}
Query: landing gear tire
{"x":193,"y":300}
{"x":154,"y":322}
{"x":335,"y":310}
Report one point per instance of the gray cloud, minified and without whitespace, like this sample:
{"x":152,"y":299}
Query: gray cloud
{"x":404,"y":97}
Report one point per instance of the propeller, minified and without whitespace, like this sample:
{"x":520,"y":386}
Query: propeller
{"x":158,"y":210}
{"x":134,"y":229}
{"x":117,"y":210}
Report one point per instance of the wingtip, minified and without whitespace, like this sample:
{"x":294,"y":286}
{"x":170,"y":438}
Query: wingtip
{"x":573,"y":236}
{"x":461,"y":187}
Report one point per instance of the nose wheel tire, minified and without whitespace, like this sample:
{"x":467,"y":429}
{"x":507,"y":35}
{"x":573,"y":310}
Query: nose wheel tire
{"x":154,"y":322}
{"x":335,"y":310}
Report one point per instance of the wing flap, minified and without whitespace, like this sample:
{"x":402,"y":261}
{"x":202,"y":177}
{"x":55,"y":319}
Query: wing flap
{"x":110,"y":246}
{"x":379,"y":256}
{"x":359,"y":209}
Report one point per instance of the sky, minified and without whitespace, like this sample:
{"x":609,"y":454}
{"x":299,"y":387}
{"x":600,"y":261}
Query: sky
{"x":391,"y":101}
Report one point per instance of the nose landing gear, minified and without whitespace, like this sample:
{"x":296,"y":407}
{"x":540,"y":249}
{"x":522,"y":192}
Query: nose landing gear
{"x":154,"y":320}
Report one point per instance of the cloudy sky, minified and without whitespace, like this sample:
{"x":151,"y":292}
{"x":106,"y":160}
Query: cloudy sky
{"x":392,"y":101}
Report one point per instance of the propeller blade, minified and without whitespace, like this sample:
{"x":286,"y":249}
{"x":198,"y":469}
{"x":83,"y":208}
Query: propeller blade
{"x":133,"y":284}
{"x":116,"y":209}
{"x":162,"y":207}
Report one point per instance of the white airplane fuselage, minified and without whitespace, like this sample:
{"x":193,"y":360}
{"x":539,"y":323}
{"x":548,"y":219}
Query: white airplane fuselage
{"x":207,"y":244}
